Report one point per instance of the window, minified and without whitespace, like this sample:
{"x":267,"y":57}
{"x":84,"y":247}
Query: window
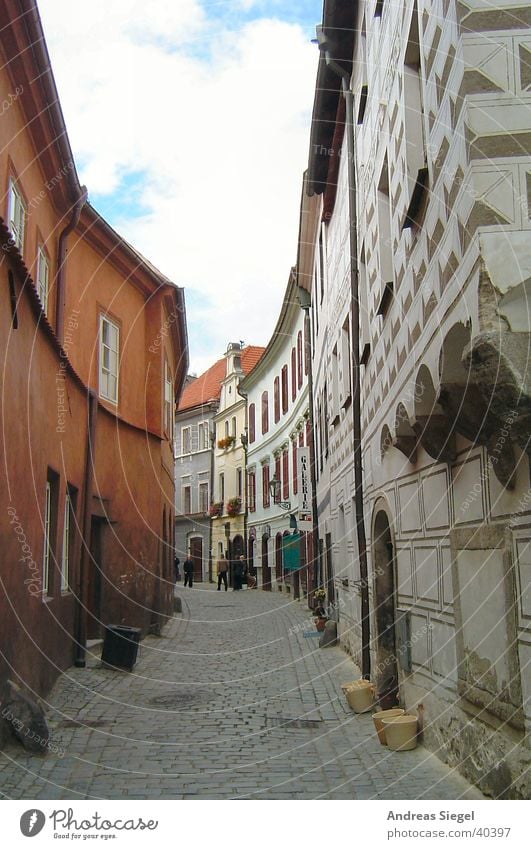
{"x":285,"y":474}
{"x":47,"y":538}
{"x":42,"y":277}
{"x":168,"y":401}
{"x":265,"y":486}
{"x":293,"y":374}
{"x":321,"y":264}
{"x":109,"y":349}
{"x":233,"y":427}
{"x":379,"y":8}
{"x":299,"y":358}
{"x":239,"y":482}
{"x":252,"y":423}
{"x":68,"y":537}
{"x":345,"y":363}
{"x":202,"y":436}
{"x":384,"y":240}
{"x":284,"y":389}
{"x":294,"y":466}
{"x":417,"y":172}
{"x":16,"y":214}
{"x":222,"y":487}
{"x":276,"y":396}
{"x":325,"y":418}
{"x":50,"y":527}
{"x":252,"y":492}
{"x":187,"y":500}
{"x":185,"y":440}
{"x":335,"y":386}
{"x":203,"y":498}
{"x":278,"y":478}
{"x":307,"y":349}
{"x":265,"y":412}
{"x":226,"y":428}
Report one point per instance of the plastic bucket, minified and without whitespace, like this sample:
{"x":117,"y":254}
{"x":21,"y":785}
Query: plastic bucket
{"x":360,"y":696}
{"x":401,"y":732}
{"x":378,"y":722}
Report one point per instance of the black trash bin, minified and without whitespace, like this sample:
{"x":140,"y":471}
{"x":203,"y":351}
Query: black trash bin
{"x":120,"y":646}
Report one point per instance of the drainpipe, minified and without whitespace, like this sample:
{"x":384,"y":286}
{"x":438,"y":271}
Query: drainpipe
{"x":82,"y":600}
{"x":245,"y":445}
{"x":61,"y":265}
{"x":305,"y":303}
{"x":212,"y":440}
{"x":356,"y":365}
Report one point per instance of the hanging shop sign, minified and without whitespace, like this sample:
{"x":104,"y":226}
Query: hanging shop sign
{"x":304,"y":513}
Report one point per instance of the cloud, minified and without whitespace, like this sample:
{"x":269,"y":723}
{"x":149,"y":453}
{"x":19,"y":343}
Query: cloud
{"x":210,"y":124}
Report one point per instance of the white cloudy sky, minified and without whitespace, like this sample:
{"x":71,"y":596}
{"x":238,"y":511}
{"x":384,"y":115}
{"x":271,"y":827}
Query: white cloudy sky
{"x":189,"y":121}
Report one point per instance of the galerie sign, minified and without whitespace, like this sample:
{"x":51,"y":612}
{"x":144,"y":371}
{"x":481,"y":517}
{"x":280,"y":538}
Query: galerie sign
{"x":304,"y":514}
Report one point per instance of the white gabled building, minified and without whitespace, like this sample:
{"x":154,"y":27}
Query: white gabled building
{"x":278,"y":412}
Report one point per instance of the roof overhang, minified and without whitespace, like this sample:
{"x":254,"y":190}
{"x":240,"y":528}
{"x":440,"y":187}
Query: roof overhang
{"x":336,"y":38}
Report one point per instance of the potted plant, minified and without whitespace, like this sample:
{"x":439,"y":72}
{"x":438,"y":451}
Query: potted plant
{"x":215,"y":509}
{"x":319,"y":611}
{"x":234,"y":505}
{"x":226,"y":442}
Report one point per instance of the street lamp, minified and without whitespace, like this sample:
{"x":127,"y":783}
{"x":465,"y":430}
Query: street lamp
{"x":274,"y":489}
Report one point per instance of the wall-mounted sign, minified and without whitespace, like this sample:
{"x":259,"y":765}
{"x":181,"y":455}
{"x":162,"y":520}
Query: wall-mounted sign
{"x":304,"y":513}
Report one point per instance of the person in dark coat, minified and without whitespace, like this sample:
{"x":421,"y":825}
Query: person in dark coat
{"x":176,"y":569}
{"x":237,"y":575}
{"x":188,"y":569}
{"x":223,"y":568}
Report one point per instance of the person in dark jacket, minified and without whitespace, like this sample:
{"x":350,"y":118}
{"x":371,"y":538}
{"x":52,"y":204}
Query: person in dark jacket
{"x":188,"y":569}
{"x":176,"y":569}
{"x":237,"y":575}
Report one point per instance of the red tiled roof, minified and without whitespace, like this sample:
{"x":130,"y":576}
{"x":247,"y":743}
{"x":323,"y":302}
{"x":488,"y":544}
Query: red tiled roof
{"x":207,"y":387}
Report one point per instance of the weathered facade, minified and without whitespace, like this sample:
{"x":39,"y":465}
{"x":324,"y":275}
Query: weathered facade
{"x":278,"y":413}
{"x":86,"y":527}
{"x":434,"y":158}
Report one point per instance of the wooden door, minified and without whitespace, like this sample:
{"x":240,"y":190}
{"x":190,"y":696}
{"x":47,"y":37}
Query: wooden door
{"x":196,"y":555}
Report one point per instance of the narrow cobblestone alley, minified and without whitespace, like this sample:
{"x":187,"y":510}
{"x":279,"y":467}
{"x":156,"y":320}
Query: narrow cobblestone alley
{"x":236,"y":701}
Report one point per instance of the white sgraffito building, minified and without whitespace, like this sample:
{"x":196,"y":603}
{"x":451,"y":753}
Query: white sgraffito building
{"x":277,"y":409}
{"x":440,"y":228}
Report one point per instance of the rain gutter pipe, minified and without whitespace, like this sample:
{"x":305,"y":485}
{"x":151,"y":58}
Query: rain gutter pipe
{"x":356,"y":365}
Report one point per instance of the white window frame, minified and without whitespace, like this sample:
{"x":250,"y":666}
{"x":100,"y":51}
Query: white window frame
{"x":106,"y":372}
{"x":202,"y":436}
{"x":16,"y":214}
{"x":46,"y":552}
{"x":168,"y":400}
{"x":201,"y":487}
{"x":183,"y":430}
{"x":43,"y":276}
{"x":186,"y":486}
{"x":65,"y":557}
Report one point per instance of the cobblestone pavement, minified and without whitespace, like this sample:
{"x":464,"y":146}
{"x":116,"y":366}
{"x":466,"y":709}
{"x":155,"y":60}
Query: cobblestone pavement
{"x":235,"y":700}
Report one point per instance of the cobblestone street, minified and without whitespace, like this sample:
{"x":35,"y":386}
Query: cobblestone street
{"x":235,"y":700}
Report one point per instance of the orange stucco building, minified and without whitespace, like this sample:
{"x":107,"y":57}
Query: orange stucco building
{"x":93,"y":351}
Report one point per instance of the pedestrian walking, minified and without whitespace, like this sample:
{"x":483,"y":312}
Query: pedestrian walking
{"x":223,"y":568}
{"x":176,"y":569}
{"x":188,"y":569}
{"x":237,"y":575}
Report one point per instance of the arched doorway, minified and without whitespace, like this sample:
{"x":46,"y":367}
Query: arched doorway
{"x":238,"y":547}
{"x":266,"y":569}
{"x":384,"y":564}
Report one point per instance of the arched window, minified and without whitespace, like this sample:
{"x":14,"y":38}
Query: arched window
{"x":265,"y":412}
{"x":252,"y":422}
{"x":276,"y":398}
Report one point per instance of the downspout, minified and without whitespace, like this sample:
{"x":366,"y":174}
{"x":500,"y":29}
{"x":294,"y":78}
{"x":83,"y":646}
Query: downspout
{"x":88,"y":485}
{"x":212,"y":440}
{"x":356,"y":366}
{"x":61,"y":265}
{"x":305,"y":302}
{"x":245,"y":446}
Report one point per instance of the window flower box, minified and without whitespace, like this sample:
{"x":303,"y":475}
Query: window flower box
{"x":226,"y":442}
{"x":234,"y":505}
{"x":215,"y":509}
